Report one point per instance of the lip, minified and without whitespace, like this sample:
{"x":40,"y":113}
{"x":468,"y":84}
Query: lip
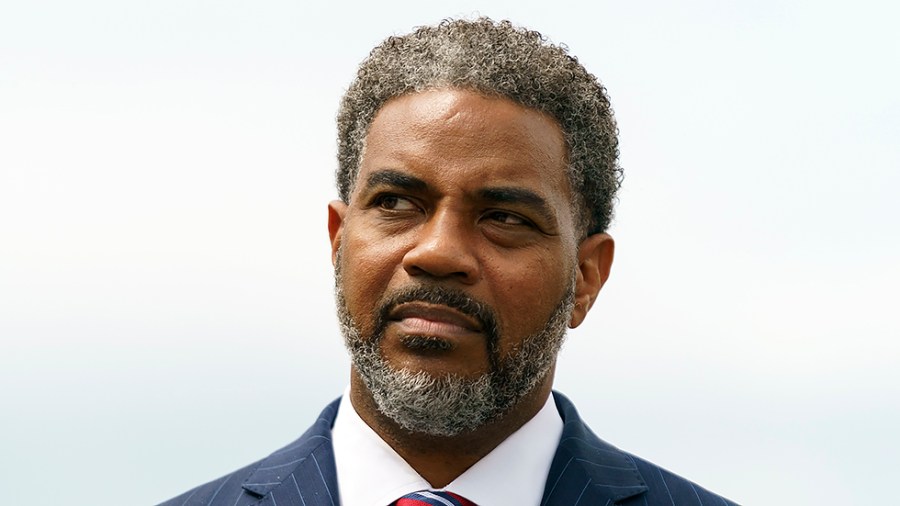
{"x":433,"y":319}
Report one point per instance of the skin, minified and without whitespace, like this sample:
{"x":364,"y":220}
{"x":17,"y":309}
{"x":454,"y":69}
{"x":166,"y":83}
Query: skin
{"x":468,"y":192}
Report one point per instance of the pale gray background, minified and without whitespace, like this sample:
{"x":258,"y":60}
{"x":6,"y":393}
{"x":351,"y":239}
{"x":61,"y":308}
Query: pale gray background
{"x":165,"y":286}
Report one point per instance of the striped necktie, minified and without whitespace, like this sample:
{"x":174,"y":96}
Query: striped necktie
{"x":433,"y":498}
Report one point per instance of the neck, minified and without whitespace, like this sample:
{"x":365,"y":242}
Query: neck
{"x":441,"y":459}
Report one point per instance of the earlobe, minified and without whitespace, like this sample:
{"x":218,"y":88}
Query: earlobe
{"x":336,"y":211}
{"x":595,"y":257}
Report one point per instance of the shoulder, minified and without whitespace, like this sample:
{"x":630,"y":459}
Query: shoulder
{"x":666,"y":487}
{"x":304,"y":470}
{"x":614,"y":475}
{"x":225,"y":490}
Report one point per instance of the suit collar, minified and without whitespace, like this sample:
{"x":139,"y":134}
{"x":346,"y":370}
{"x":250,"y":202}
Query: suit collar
{"x":586,"y":469}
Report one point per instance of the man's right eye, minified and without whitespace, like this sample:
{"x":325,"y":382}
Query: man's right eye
{"x":394,"y":203}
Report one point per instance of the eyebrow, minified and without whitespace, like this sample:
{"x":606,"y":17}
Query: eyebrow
{"x":391,"y":177}
{"x":513,"y":195}
{"x":496,"y":194}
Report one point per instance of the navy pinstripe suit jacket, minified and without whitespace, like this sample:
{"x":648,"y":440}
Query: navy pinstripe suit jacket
{"x":585,"y":471}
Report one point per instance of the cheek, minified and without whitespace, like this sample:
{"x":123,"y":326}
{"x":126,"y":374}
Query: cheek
{"x":526,"y":294}
{"x":367,"y":267}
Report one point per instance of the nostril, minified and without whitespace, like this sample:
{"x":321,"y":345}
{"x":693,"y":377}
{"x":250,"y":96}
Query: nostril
{"x":443,"y":248}
{"x":441,"y":262}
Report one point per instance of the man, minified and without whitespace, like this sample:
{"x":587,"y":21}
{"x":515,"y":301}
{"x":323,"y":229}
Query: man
{"x":477,"y":171}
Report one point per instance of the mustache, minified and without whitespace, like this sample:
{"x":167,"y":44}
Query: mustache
{"x":441,"y":295}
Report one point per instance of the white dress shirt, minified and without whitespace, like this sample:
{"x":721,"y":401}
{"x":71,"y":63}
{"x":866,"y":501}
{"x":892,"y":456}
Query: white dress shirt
{"x":371,"y":473}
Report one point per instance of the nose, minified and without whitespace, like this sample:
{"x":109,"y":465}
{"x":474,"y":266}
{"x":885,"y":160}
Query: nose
{"x":443,"y":249}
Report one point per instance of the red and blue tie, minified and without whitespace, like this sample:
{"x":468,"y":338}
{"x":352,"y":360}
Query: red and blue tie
{"x":433,"y":498}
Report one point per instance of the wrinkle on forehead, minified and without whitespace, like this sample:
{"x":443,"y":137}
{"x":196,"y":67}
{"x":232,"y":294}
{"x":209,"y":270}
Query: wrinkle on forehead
{"x":466,"y":125}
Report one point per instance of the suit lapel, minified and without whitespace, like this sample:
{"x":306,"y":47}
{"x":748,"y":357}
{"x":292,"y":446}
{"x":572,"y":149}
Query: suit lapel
{"x":301,"y":473}
{"x":587,"y":470}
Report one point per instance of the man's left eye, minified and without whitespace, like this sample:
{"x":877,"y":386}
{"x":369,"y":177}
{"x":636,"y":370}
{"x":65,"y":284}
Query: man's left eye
{"x":507,"y":218}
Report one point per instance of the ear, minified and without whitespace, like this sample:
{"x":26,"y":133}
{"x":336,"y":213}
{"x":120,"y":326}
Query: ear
{"x":595,"y":257}
{"x":336,"y":211}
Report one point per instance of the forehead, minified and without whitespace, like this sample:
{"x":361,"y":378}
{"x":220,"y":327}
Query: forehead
{"x":462,"y":133}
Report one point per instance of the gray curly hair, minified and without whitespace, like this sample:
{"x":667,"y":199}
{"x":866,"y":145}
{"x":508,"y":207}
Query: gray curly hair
{"x":494,"y":59}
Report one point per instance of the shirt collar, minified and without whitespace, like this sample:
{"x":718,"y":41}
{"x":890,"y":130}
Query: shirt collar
{"x":371,"y":473}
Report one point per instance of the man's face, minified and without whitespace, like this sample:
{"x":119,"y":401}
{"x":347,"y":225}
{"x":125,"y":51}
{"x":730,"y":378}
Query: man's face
{"x":457,"y":253}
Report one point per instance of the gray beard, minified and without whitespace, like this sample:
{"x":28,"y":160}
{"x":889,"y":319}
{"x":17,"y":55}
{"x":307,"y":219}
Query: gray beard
{"x":448,"y":405}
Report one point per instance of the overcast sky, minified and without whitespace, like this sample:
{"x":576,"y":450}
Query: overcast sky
{"x":166,"y":310}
